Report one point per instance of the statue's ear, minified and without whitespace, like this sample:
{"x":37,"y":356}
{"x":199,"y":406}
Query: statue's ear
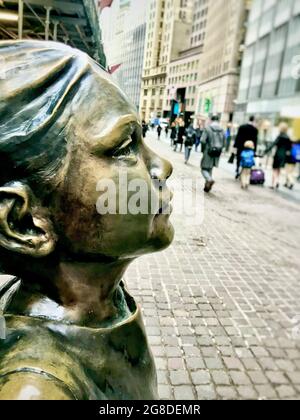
{"x":24,"y":225}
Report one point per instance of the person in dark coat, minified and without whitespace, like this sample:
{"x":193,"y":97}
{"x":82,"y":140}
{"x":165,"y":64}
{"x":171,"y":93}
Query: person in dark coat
{"x":144,"y":128}
{"x":245,"y":133}
{"x":209,"y":161}
{"x":283,"y":146}
{"x":173,"y":133}
{"x":181,"y":134}
{"x":159,"y":130}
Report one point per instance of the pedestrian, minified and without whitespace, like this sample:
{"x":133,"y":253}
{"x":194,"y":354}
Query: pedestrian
{"x":293,"y":157}
{"x":246,"y":132}
{"x":190,"y":138}
{"x":180,"y":135}
{"x":144,"y":128}
{"x":198,"y":133}
{"x":247,"y":163}
{"x":159,"y":130}
{"x":283,"y":146}
{"x":173,"y":133}
{"x":167,"y":130}
{"x":213,"y":142}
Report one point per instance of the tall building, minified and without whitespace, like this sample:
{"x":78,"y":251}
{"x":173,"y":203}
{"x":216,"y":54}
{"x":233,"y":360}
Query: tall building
{"x":168,"y":29}
{"x":183,"y":71}
{"x":221,"y":59}
{"x":270,"y":77}
{"x":124,"y":30}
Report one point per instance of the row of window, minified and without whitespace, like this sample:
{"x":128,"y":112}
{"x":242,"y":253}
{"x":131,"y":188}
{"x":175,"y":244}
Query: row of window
{"x":183,"y":79}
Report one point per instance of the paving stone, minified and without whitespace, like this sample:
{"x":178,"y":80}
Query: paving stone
{"x":179,"y":377}
{"x":247,"y":392}
{"x":226,"y":392}
{"x":239,"y":378}
{"x":175,"y":363}
{"x":201,"y":377}
{"x":213,"y":363}
{"x":285,"y":391}
{"x":195,"y":363}
{"x":206,"y":392}
{"x":183,"y":392}
{"x":220,"y":377}
{"x":233,"y":363}
{"x":258,"y":378}
{"x":276,"y":377}
{"x":265,"y":392}
{"x":165,"y":392}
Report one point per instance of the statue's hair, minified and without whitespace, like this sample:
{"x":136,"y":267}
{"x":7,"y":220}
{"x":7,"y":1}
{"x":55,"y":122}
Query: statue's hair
{"x":38,"y":81}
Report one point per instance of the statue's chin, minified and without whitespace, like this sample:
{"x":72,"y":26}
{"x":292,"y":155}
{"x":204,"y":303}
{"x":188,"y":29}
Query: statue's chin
{"x":163,"y":233}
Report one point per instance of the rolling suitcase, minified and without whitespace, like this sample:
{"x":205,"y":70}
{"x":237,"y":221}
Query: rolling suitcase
{"x":257,"y":177}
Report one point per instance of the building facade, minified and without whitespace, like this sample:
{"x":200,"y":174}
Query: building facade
{"x":168,"y":30}
{"x":221,"y":59}
{"x":270,"y":77}
{"x":183,"y":71}
{"x":124,"y":31}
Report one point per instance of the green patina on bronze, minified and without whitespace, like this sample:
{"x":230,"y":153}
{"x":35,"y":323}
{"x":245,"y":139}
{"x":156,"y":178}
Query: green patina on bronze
{"x":68,"y":327}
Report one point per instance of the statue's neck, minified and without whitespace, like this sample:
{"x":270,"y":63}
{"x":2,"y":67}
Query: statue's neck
{"x":80,"y":293}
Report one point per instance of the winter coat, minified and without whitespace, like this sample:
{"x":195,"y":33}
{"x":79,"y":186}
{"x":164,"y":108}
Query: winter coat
{"x":283,"y":146}
{"x":208,"y":162}
{"x":246,"y":132}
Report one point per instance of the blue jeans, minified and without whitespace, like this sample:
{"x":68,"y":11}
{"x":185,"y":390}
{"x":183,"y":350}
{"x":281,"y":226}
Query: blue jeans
{"x":187,"y":153}
{"x":207,"y":174}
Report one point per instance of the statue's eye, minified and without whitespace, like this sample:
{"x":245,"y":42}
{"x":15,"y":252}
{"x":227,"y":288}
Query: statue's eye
{"x":125,"y":150}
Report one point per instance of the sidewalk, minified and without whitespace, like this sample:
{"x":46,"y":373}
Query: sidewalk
{"x":222,"y":304}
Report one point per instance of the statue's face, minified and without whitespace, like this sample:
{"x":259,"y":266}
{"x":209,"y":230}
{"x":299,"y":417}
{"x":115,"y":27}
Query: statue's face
{"x":105,"y":140}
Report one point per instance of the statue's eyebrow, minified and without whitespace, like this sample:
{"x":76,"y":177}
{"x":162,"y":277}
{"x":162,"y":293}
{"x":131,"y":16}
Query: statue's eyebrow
{"x":112,"y":136}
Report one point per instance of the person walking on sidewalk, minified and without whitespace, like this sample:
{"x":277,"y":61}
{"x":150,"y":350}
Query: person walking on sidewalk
{"x":159,"y":130}
{"x":213,"y":142}
{"x":180,"y":135}
{"x":198,"y":132}
{"x":173,"y":133}
{"x":293,"y":157}
{"x":283,"y":146}
{"x":190,"y":138}
{"x":247,"y":163}
{"x":246,"y":132}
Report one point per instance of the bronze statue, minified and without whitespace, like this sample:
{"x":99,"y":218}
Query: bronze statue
{"x":68,"y":327}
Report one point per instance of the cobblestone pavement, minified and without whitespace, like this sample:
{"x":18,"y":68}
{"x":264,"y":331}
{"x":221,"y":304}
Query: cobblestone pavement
{"x":222,"y":304}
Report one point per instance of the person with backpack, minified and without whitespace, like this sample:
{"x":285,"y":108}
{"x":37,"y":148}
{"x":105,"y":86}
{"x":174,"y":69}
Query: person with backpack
{"x":246,"y":132}
{"x":247,"y":163}
{"x":190,"y":138}
{"x":293,"y":157}
{"x":213,"y":142}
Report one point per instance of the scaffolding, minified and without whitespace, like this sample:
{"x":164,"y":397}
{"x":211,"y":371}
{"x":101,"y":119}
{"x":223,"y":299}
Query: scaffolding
{"x":73,"y":22}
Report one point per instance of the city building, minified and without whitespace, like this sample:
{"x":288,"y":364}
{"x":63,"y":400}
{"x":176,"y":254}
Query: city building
{"x":221,"y":58}
{"x":168,"y":32}
{"x":183,"y":71}
{"x":270,"y":76}
{"x":124,"y":30}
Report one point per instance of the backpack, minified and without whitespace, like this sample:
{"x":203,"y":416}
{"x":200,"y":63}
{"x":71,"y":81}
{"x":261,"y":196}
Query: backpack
{"x":190,"y":138}
{"x":247,"y":159}
{"x":296,"y":153}
{"x":216,"y":141}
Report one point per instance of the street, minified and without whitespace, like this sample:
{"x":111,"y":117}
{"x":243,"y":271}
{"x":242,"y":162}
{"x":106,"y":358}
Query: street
{"x":222,"y":304}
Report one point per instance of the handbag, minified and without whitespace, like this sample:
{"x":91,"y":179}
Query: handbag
{"x":232,"y":158}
